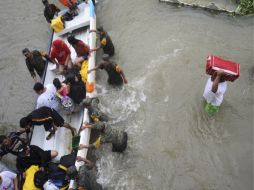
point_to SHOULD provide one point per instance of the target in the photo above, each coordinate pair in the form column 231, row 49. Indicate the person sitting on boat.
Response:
column 61, row 88
column 117, row 137
column 47, row 96
column 12, row 142
column 96, row 115
column 62, row 91
column 116, row 76
column 47, row 117
column 50, row 10
column 34, row 155
column 35, row 61
column 85, row 177
column 8, row 180
column 61, row 52
column 215, row 88
column 77, row 89
column 82, row 50
column 72, row 5
column 105, row 42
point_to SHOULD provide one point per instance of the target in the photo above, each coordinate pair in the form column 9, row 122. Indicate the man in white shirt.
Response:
column 8, row 180
column 215, row 88
column 47, row 96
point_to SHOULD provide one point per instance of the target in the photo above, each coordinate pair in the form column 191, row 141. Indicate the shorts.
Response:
column 47, row 155
column 211, row 109
column 121, row 147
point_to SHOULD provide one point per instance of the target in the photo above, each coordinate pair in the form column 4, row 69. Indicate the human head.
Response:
column 2, row 139
column 72, row 40
column 57, row 83
column 57, row 44
column 45, row 2
column 26, row 52
column 24, row 122
column 100, row 29
column 71, row 172
column 38, row 88
column 70, row 78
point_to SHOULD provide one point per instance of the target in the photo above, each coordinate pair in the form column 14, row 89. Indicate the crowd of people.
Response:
column 55, row 100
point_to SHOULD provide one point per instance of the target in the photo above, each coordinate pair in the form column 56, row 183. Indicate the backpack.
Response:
column 40, row 177
column 57, row 24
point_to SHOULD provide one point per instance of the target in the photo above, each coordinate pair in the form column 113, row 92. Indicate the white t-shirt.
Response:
column 48, row 98
column 7, row 180
column 214, row 98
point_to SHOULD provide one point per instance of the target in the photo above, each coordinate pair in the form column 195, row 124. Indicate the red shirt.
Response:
column 81, row 48
column 60, row 52
column 68, row 3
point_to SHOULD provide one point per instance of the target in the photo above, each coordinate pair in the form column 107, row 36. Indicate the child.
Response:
column 61, row 88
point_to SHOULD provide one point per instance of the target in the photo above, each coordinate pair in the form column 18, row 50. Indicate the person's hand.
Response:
column 220, row 73
column 24, row 175
column 81, row 146
column 35, row 79
column 85, row 125
column 79, row 158
column 125, row 81
column 92, row 31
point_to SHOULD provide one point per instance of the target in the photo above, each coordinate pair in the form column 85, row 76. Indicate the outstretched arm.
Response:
column 124, row 78
column 93, row 69
column 87, row 162
column 15, row 182
column 217, row 80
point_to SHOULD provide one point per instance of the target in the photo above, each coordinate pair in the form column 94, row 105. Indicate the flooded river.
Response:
column 173, row 143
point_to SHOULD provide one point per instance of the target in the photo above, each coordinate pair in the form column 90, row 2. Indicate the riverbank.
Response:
column 233, row 7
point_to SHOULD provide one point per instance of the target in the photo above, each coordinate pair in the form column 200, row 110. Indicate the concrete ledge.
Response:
column 229, row 6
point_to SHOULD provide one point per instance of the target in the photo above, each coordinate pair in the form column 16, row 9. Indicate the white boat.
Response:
column 61, row 141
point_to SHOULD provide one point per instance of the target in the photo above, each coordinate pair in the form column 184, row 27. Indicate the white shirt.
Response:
column 214, row 98
column 48, row 98
column 7, row 180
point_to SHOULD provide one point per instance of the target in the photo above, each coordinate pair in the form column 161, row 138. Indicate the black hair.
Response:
column 23, row 122
column 72, row 40
column 70, row 78
column 38, row 86
column 2, row 137
column 57, row 83
column 25, row 50
column 100, row 29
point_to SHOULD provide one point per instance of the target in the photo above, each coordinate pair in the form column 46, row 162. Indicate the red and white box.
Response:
column 215, row 63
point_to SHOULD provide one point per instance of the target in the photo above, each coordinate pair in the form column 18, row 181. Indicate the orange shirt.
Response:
column 68, row 3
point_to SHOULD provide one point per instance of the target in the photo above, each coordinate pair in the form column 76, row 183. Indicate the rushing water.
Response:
column 173, row 144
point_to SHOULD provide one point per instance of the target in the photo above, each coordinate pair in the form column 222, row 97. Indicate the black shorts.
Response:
column 47, row 154
column 57, row 118
column 121, row 147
